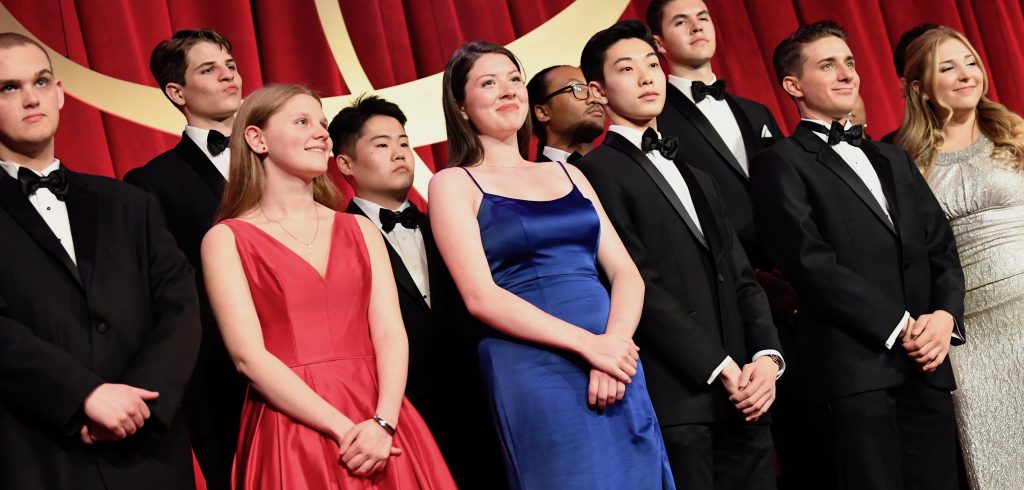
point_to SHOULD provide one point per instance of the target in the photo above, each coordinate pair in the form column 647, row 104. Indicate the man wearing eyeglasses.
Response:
column 566, row 119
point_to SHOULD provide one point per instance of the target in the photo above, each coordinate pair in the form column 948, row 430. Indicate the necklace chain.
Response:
column 316, row 231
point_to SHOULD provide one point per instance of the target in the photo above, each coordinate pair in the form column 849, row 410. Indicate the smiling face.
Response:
column 634, row 85
column 30, row 103
column 687, row 33
column 380, row 161
column 496, row 101
column 213, row 86
column 295, row 140
column 959, row 81
column 828, row 85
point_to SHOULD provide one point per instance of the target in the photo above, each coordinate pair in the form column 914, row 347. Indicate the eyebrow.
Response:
column 630, row 58
column 494, row 75
column 684, row 16
column 388, row 136
column 968, row 55
column 834, row 58
column 40, row 73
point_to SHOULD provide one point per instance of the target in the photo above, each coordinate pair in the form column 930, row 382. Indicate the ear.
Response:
column 344, row 163
column 660, row 44
column 462, row 110
column 256, row 140
column 916, row 87
column 60, row 94
column 792, row 86
column 597, row 92
column 175, row 93
column 540, row 111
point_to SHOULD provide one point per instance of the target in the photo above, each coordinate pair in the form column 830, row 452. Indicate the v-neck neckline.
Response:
column 293, row 253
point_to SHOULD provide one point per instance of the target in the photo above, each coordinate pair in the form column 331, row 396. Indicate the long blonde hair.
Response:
column 925, row 117
column 247, row 177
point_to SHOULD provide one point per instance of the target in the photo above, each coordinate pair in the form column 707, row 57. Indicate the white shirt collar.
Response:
column 827, row 125
column 634, row 136
column 372, row 209
column 555, row 154
column 685, row 85
column 12, row 168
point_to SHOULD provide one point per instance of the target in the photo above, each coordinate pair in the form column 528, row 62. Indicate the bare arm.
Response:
column 452, row 216
column 228, row 289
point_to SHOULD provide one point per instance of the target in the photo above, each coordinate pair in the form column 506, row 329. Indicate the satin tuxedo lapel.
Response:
column 195, row 158
column 831, row 160
column 402, row 276
column 81, row 203
column 883, row 168
column 746, row 129
column 620, row 143
column 704, row 214
column 685, row 106
column 21, row 210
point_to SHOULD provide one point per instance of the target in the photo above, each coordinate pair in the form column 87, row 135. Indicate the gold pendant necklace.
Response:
column 316, row 231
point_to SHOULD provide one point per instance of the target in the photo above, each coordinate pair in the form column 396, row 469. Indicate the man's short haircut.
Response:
column 169, row 59
column 899, row 53
column 347, row 126
column 13, row 39
column 656, row 14
column 788, row 58
column 536, row 90
column 593, row 57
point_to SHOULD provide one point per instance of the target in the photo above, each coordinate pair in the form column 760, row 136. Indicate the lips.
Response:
column 233, row 89
column 32, row 118
column 965, row 90
column 649, row 96
column 508, row 107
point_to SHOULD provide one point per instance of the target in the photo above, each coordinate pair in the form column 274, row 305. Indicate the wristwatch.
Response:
column 776, row 359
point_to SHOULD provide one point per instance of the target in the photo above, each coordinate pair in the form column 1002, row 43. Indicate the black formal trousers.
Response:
column 189, row 188
column 124, row 312
column 721, row 456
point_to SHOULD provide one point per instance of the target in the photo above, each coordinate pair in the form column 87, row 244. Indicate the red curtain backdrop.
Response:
column 398, row 41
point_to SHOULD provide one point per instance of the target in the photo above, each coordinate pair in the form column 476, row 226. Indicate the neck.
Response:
column 33, row 158
column 566, row 144
column 502, row 151
column 387, row 200
column 961, row 130
column 698, row 73
column 286, row 196
column 809, row 113
column 222, row 125
column 638, row 124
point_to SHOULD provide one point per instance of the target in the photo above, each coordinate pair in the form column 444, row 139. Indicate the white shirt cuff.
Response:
column 762, row 353
column 896, row 333
column 718, row 370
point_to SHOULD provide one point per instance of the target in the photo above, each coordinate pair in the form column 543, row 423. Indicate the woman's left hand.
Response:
column 366, row 447
column 604, row 390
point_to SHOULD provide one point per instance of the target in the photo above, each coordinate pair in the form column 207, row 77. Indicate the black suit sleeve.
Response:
column 947, row 292
column 169, row 352
column 790, row 235
column 40, row 379
column 664, row 324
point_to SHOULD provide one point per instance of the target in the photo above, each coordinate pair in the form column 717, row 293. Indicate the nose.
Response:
column 227, row 74
column 696, row 27
column 846, row 73
column 508, row 90
column 31, row 97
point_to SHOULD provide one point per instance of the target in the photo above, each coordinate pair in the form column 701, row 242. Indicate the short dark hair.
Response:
column 537, row 89
column 592, row 58
column 464, row 146
column 899, row 53
column 656, row 14
column 788, row 58
column 347, row 126
column 169, row 58
column 13, row 39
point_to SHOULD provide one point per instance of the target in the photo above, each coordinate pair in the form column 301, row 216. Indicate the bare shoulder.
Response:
column 220, row 235
column 449, row 179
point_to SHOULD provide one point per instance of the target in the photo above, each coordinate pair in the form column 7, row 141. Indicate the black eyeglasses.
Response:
column 579, row 92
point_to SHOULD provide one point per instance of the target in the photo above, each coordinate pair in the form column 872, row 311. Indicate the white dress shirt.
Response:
column 720, row 116
column 221, row 162
column 555, row 154
column 675, row 180
column 53, row 210
column 407, row 242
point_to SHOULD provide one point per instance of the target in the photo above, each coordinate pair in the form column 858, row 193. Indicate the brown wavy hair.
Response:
column 247, row 177
column 924, row 118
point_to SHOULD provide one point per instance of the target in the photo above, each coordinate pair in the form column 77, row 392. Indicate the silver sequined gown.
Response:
column 984, row 200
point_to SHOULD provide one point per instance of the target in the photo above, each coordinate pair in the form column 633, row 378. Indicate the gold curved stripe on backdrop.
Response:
column 557, row 41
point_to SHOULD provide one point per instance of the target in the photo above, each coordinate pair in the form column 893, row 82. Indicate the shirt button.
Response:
column 102, row 327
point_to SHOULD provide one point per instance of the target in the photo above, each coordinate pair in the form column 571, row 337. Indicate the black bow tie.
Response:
column 836, row 133
column 667, row 146
column 57, row 182
column 573, row 157
column 408, row 217
column 216, row 142
column 699, row 90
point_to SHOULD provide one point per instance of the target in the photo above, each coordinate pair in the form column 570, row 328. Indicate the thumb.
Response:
column 395, row 451
column 146, row 394
column 745, row 374
column 347, row 440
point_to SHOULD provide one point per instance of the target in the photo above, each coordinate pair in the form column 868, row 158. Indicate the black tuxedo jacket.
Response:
column 701, row 147
column 702, row 301
column 856, row 272
column 126, row 313
column 189, row 188
column 444, row 382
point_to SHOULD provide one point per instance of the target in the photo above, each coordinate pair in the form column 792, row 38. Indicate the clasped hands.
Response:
column 364, row 448
column 114, row 412
column 927, row 339
column 752, row 388
column 613, row 360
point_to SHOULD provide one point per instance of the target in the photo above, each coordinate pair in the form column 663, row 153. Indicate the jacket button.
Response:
column 721, row 278
column 692, row 312
column 102, row 327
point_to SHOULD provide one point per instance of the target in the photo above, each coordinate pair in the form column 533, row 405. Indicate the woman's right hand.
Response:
column 613, row 354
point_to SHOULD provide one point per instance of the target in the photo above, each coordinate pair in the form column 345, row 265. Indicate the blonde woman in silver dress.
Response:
column 971, row 150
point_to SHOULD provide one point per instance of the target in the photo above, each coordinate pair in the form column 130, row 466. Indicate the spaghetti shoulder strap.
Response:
column 567, row 174
column 470, row 174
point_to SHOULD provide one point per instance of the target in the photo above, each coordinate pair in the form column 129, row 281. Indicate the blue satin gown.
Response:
column 545, row 253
